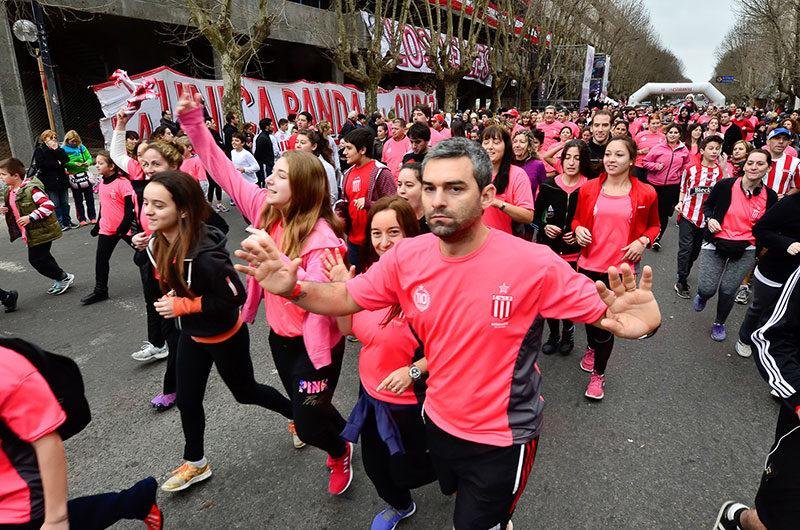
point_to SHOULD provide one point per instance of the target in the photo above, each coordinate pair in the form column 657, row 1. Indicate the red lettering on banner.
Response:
column 247, row 97
column 221, row 92
column 341, row 110
column 308, row 103
column 324, row 106
column 265, row 109
column 355, row 102
column 290, row 101
column 162, row 94
column 211, row 102
column 145, row 128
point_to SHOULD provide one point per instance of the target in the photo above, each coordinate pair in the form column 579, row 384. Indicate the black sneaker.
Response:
column 94, row 297
column 656, row 246
column 728, row 516
column 567, row 341
column 551, row 346
column 10, row 302
column 683, row 290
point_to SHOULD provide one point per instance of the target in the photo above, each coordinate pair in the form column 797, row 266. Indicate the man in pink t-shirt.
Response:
column 477, row 298
column 396, row 147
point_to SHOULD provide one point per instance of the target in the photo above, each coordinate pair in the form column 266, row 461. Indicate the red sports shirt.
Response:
column 784, row 174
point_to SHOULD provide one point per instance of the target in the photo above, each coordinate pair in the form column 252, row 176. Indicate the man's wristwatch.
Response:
column 414, row 373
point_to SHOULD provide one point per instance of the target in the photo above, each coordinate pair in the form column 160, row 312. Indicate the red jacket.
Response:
column 643, row 199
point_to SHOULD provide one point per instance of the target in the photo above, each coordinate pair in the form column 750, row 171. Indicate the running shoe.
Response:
column 567, row 341
column 656, row 246
column 61, row 287
column 223, row 208
column 163, row 402
column 551, row 345
column 718, row 332
column 742, row 295
column 82, row 223
column 64, row 228
column 698, row 303
column 298, row 443
column 682, row 288
column 150, row 352
column 92, row 221
column 52, row 288
column 597, row 383
column 154, row 519
column 728, row 516
column 587, row 362
column 388, row 518
column 744, row 350
column 342, row 471
column 10, row 302
column 185, row 476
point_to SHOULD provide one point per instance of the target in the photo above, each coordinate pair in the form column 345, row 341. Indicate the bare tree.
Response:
column 236, row 32
column 739, row 55
column 451, row 57
column 378, row 56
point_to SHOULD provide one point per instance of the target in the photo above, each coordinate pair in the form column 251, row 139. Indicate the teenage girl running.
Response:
column 615, row 220
column 409, row 187
column 553, row 212
column 202, row 294
column 307, row 349
column 119, row 154
column 117, row 216
column 389, row 364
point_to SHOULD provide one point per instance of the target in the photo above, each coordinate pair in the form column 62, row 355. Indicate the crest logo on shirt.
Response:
column 422, row 298
column 501, row 303
column 356, row 184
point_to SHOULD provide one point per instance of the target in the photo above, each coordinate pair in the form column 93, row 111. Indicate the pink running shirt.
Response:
column 112, row 204
column 612, row 226
column 518, row 192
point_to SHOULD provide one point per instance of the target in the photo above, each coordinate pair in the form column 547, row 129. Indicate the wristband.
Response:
column 296, row 292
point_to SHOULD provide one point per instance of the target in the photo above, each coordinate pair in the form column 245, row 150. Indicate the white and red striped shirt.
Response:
column 695, row 186
column 784, row 174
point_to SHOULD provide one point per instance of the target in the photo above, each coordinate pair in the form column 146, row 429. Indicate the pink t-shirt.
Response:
column 393, row 151
column 112, row 204
column 647, row 140
column 612, row 226
column 28, row 409
column 384, row 350
column 551, row 137
column 194, row 167
column 438, row 136
column 742, row 214
column 518, row 192
column 480, row 318
column 134, row 170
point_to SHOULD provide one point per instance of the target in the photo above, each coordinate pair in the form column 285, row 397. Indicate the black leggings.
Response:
column 235, row 367
column 553, row 323
column 213, row 187
column 311, row 390
column 667, row 199
column 600, row 340
column 105, row 248
column 42, row 260
column 394, row 476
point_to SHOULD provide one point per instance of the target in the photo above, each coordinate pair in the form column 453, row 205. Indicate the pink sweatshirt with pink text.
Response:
column 319, row 333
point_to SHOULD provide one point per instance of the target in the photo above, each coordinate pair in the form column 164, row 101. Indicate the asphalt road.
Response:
column 684, row 426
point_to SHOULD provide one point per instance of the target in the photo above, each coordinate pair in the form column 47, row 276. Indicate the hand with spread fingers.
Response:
column 632, row 312
column 335, row 267
column 266, row 265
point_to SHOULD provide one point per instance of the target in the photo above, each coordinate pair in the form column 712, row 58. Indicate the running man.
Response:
column 484, row 407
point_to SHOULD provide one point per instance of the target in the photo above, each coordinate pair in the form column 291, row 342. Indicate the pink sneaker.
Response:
column 341, row 472
column 596, row 384
column 587, row 363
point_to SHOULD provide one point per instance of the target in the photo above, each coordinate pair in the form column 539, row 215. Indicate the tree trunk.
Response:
column 498, row 87
column 371, row 96
column 450, row 95
column 232, row 84
column 525, row 95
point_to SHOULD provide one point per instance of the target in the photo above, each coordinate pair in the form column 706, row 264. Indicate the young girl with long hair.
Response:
column 117, row 217
column 615, row 220
column 513, row 200
column 692, row 138
column 553, row 212
column 311, row 141
column 201, row 293
column 389, row 364
column 307, row 349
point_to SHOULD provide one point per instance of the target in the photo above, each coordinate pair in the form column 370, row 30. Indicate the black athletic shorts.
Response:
column 778, row 497
column 489, row 479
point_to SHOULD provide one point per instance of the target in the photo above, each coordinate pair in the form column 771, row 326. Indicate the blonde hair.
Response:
column 182, row 143
column 169, row 151
column 72, row 135
column 47, row 134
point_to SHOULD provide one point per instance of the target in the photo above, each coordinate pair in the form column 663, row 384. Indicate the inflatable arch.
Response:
column 710, row 91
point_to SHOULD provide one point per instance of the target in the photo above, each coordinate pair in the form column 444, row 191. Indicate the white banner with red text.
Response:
column 260, row 99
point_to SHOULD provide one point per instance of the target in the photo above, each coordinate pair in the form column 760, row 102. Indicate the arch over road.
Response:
column 710, row 91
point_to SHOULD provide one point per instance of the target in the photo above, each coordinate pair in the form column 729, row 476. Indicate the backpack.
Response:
column 65, row 380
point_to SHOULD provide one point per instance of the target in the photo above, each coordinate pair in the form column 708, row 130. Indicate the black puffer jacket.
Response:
column 50, row 164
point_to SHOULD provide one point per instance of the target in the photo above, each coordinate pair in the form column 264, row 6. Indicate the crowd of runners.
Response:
column 455, row 249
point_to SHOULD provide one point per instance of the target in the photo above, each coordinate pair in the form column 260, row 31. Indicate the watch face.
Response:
column 414, row 372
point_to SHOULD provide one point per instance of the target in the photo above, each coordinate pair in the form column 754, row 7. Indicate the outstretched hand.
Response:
column 188, row 102
column 632, row 312
column 265, row 263
column 335, row 267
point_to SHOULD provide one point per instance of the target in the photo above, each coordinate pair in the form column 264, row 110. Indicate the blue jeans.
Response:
column 61, row 201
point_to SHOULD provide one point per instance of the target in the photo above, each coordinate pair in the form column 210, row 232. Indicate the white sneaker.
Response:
column 743, row 295
column 150, row 352
column 743, row 349
column 60, row 287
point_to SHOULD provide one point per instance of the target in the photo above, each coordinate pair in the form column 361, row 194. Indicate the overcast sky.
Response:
column 692, row 29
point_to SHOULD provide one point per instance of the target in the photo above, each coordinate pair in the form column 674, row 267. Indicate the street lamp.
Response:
column 25, row 30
